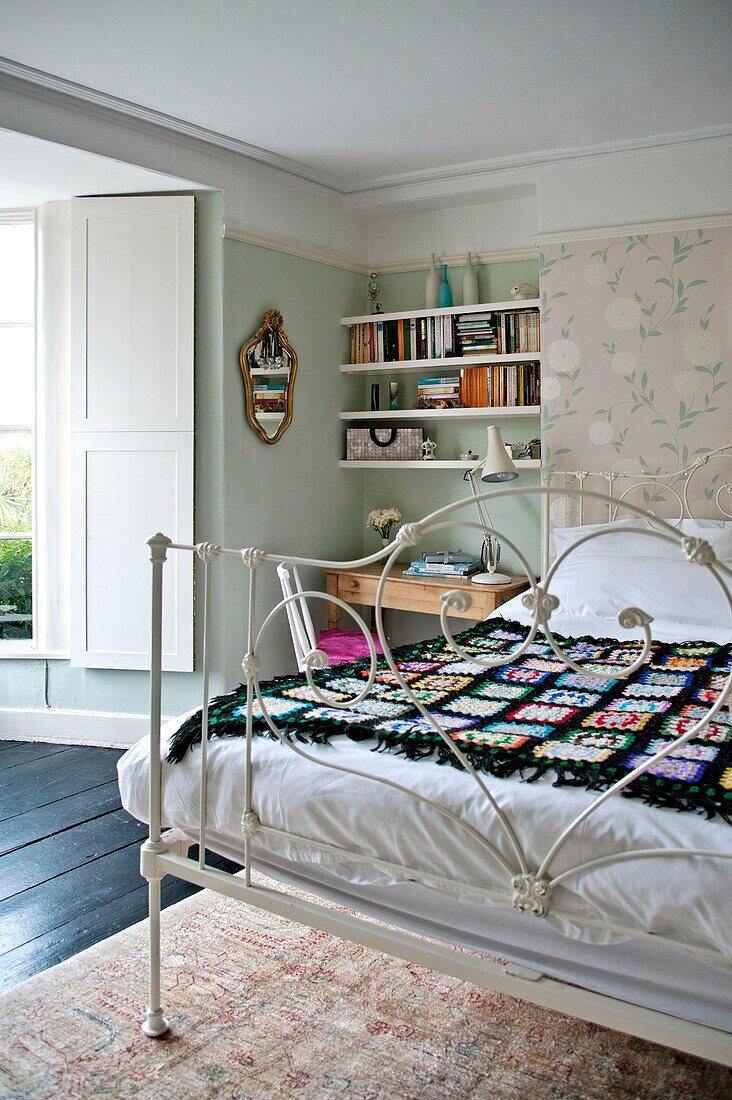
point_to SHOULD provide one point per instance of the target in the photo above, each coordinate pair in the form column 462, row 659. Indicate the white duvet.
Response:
column 688, row 900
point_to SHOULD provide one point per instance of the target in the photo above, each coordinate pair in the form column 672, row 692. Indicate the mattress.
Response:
column 686, row 900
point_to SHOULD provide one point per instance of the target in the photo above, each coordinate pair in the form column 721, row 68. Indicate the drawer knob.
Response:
column 354, row 584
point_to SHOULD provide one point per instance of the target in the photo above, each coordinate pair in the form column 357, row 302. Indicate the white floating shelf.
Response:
column 269, row 416
column 483, row 413
column 438, row 464
column 455, row 362
column 486, row 307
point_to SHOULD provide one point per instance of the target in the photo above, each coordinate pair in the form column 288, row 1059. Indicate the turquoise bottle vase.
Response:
column 444, row 298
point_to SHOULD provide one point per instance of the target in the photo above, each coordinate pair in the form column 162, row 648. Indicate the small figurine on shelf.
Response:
column 373, row 293
column 429, row 447
column 393, row 395
column 468, row 456
column 523, row 292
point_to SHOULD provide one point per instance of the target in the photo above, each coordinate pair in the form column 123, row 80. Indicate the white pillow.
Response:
column 629, row 569
column 613, row 538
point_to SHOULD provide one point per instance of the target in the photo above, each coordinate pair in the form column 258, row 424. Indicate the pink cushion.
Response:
column 346, row 645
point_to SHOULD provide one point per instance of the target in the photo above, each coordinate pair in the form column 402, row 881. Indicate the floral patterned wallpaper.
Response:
column 636, row 343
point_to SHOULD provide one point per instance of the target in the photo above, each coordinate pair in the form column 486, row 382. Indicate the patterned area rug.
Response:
column 263, row 1008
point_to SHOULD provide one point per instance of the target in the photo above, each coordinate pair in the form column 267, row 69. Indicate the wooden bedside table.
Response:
column 423, row 594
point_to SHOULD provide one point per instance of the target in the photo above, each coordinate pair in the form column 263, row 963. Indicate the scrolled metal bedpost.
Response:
column 546, row 481
column 154, row 1025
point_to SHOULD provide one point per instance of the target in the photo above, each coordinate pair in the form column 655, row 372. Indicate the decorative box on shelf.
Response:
column 380, row 444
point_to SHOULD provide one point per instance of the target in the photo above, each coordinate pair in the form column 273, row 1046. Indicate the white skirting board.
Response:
column 72, row 727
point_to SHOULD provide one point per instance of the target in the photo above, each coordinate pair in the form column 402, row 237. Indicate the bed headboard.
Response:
column 666, row 494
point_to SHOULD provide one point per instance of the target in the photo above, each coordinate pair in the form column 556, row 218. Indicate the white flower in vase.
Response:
column 382, row 520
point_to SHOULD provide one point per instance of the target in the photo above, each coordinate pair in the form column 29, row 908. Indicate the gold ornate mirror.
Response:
column 268, row 366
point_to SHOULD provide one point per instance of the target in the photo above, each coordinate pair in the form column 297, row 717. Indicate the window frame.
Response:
column 26, row 647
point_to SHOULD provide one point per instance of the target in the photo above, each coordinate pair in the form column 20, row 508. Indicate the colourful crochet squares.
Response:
column 490, row 738
column 642, row 706
column 683, row 664
column 671, row 767
column 518, row 729
column 276, row 708
column 306, row 693
column 678, row 725
column 582, row 680
column 572, row 750
column 616, row 720
column 710, row 691
column 666, row 679
column 491, row 690
column 569, row 698
column 542, row 712
column 518, row 674
column 382, row 708
column 690, row 751
column 421, row 725
column 482, row 708
column 650, row 691
column 443, row 683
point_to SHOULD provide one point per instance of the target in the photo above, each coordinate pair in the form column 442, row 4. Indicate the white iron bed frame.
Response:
column 528, row 888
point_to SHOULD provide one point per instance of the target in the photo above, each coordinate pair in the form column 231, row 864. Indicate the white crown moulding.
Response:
column 423, row 184
column 59, row 85
column 633, row 229
column 292, row 247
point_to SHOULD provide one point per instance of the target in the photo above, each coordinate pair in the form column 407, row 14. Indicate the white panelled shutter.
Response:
column 132, row 426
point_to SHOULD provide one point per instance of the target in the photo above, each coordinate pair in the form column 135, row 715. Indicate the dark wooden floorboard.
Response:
column 69, row 857
column 37, row 863
column 37, row 782
column 17, row 752
column 98, row 924
column 64, row 813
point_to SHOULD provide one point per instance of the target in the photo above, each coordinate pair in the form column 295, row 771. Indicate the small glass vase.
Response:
column 432, row 286
column 470, row 283
column 444, row 298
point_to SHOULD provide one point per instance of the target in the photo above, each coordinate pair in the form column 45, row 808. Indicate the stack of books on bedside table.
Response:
column 447, row 563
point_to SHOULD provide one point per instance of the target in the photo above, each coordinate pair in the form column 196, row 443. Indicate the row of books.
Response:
column 476, row 334
column 408, row 339
column 500, row 385
column 518, row 333
column 439, row 393
column 403, row 340
column 269, row 396
column 422, row 568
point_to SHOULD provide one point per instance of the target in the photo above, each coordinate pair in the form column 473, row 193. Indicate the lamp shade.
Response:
column 498, row 466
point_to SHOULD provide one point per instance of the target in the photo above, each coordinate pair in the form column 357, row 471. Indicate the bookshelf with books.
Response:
column 426, row 339
column 472, row 364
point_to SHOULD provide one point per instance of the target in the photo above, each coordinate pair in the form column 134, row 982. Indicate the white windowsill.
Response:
column 19, row 651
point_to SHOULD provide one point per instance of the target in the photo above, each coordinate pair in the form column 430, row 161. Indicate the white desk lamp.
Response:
column 497, row 466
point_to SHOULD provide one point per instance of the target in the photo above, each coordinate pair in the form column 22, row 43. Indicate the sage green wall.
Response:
column 419, row 492
column 292, row 497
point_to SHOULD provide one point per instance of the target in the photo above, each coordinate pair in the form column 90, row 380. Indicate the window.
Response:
column 17, row 424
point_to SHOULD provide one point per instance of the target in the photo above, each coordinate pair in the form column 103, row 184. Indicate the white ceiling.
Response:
column 357, row 90
column 34, row 171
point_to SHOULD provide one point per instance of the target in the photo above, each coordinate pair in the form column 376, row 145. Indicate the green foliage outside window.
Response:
column 16, row 592
column 15, row 588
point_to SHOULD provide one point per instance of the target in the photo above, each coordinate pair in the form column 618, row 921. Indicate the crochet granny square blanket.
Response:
column 532, row 716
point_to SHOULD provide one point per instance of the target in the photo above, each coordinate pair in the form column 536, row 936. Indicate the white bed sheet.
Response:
column 688, row 900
